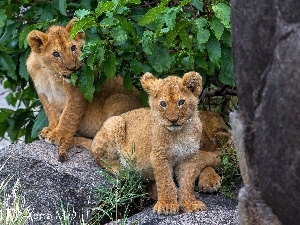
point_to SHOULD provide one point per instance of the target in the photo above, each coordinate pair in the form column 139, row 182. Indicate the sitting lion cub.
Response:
column 161, row 140
column 72, row 119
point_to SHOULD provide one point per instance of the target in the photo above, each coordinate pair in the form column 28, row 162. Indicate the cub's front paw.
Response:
column 166, row 208
column 44, row 133
column 55, row 137
column 209, row 180
column 192, row 206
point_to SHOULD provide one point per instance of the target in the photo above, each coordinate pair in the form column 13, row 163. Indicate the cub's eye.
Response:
column 181, row 102
column 73, row 48
column 163, row 104
column 56, row 54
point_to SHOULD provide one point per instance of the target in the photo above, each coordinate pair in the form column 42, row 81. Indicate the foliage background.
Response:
column 126, row 37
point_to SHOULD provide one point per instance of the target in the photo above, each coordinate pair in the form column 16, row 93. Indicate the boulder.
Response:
column 266, row 52
column 220, row 210
column 45, row 183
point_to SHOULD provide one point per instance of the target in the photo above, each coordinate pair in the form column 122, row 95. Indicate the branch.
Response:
column 222, row 91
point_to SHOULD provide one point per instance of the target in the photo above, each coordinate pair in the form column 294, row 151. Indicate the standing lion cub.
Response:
column 72, row 119
column 162, row 140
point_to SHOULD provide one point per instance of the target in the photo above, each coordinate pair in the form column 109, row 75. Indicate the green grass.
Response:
column 229, row 171
column 12, row 211
column 122, row 197
column 66, row 216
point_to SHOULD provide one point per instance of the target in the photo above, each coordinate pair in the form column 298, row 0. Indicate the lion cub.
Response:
column 162, row 140
column 72, row 119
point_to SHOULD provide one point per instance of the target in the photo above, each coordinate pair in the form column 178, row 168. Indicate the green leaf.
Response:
column 202, row 33
column 210, row 68
column 170, row 38
column 186, row 41
column 11, row 99
column 104, row 7
column 200, row 22
column 152, row 15
column 3, row 128
column 160, row 59
column 222, row 11
column 81, row 13
column 188, row 62
column 40, row 122
column 90, row 61
column 100, row 56
column 127, row 25
column 109, row 21
column 86, row 83
column 23, row 69
column 184, row 2
column 85, row 4
column 11, row 32
column 168, row 17
column 217, row 27
column 197, row 4
column 226, row 75
column 109, row 66
column 7, row 65
column 3, row 17
column 226, row 38
column 125, row 2
column 147, row 42
column 127, row 82
column 200, row 61
column 118, row 34
column 74, row 77
column 62, row 6
column 214, row 49
column 135, row 66
column 82, row 25
column 5, row 114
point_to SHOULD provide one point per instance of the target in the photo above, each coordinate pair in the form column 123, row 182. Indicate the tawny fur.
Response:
column 72, row 119
column 163, row 140
column 216, row 137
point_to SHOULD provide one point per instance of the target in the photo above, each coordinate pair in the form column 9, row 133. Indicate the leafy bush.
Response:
column 126, row 37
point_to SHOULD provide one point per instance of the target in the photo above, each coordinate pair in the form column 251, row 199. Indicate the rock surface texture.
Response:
column 45, row 183
column 266, row 49
column 220, row 211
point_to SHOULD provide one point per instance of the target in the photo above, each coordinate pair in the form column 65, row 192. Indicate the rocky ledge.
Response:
column 45, row 184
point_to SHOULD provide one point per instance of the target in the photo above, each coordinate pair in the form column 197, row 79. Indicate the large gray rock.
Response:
column 45, row 183
column 220, row 210
column 266, row 49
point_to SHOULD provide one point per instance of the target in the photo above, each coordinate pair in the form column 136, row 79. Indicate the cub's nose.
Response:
column 71, row 68
column 173, row 120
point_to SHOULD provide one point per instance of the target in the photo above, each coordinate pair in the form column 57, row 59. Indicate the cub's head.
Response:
column 56, row 50
column 173, row 100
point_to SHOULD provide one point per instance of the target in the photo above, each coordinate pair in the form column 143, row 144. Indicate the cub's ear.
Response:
column 36, row 39
column 70, row 25
column 193, row 81
column 80, row 35
column 149, row 82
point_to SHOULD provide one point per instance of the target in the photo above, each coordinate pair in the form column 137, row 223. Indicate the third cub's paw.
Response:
column 44, row 133
column 192, row 206
column 166, row 208
column 209, row 180
column 55, row 137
